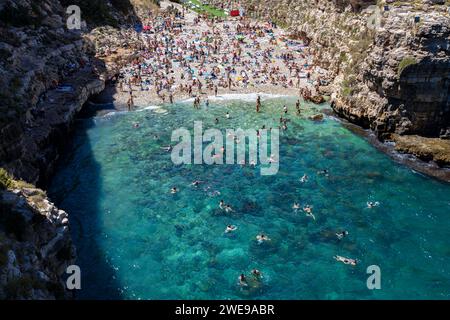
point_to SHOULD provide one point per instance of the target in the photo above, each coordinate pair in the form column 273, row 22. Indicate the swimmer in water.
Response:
column 308, row 211
column 167, row 149
column 296, row 206
column 285, row 109
column 216, row 121
column 243, row 280
column 196, row 183
column 324, row 172
column 341, row 235
column 272, row 159
column 371, row 204
column 261, row 238
column 136, row 125
column 256, row 274
column 222, row 204
column 304, row 178
column 227, row 115
column 228, row 208
column 344, row 260
column 230, row 228
column 174, row 190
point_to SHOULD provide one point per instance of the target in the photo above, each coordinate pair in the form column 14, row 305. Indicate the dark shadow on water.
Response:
column 98, row 276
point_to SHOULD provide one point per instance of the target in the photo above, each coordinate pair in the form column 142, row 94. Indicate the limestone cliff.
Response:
column 47, row 73
column 388, row 61
column 35, row 243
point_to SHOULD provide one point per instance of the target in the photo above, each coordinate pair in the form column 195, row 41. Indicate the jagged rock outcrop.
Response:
column 35, row 244
column 388, row 61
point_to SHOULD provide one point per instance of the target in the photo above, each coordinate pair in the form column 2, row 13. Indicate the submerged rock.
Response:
column 317, row 117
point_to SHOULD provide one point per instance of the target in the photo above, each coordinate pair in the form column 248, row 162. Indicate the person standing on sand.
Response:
column 130, row 102
column 258, row 104
column 216, row 89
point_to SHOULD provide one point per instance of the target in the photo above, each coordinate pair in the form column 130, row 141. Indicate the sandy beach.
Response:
column 189, row 56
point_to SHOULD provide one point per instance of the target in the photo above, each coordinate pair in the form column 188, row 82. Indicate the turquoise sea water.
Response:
column 136, row 240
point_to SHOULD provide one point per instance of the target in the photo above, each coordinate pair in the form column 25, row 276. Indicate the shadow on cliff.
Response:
column 424, row 92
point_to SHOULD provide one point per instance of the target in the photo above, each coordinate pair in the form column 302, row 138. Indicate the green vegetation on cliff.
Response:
column 406, row 62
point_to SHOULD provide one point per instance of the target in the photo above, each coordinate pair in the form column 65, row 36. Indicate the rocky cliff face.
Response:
column 47, row 73
column 35, row 243
column 389, row 61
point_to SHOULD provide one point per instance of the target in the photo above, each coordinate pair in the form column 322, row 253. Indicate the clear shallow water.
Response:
column 136, row 240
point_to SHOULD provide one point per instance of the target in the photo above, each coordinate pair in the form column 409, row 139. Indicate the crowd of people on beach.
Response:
column 189, row 55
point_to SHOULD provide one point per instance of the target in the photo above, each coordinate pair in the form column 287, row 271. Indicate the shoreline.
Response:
column 429, row 169
column 414, row 163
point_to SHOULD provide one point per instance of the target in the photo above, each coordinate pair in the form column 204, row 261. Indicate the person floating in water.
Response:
column 136, row 125
column 372, row 204
column 256, row 274
column 230, row 228
column 174, row 190
column 262, row 238
column 242, row 280
column 258, row 104
column 296, row 206
column 227, row 115
column 196, row 183
column 344, row 260
column 222, row 204
column 308, row 211
column 342, row 235
column 304, row 178
column 323, row 172
column 228, row 208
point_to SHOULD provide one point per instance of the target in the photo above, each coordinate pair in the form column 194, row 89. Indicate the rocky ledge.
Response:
column 430, row 149
column 35, row 243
